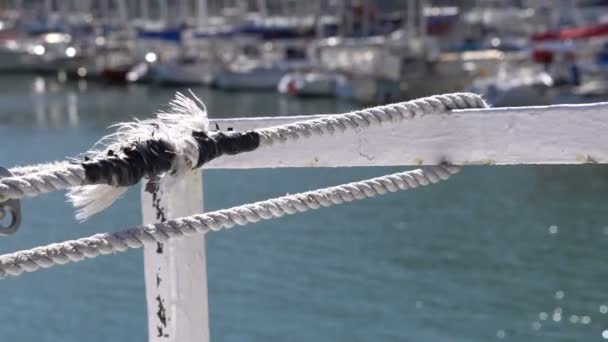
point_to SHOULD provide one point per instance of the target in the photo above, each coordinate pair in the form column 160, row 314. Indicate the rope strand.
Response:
column 391, row 113
column 176, row 143
column 108, row 243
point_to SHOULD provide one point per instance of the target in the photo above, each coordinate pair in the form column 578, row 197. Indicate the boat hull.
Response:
column 309, row 85
column 186, row 74
column 10, row 60
column 266, row 79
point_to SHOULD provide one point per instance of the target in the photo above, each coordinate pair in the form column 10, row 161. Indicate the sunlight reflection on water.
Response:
column 521, row 260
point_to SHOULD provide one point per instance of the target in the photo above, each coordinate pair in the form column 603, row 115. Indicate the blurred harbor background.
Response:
column 500, row 253
column 513, row 52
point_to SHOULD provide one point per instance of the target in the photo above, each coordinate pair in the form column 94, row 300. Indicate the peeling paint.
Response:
column 366, row 156
column 361, row 142
column 581, row 158
column 169, row 317
column 586, row 159
column 161, row 313
column 314, row 162
column 153, row 187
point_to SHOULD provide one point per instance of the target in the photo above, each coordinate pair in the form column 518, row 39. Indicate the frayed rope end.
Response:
column 174, row 127
column 92, row 199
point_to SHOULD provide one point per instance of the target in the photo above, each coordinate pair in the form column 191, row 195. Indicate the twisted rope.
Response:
column 119, row 168
column 365, row 118
column 41, row 181
column 107, row 243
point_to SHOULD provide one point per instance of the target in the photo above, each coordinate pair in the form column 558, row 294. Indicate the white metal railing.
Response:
column 427, row 131
column 176, row 274
column 175, row 271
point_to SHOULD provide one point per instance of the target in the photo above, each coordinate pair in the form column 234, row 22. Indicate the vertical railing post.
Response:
column 175, row 271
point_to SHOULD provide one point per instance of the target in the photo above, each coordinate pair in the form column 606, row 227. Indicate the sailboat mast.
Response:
column 409, row 24
column 318, row 23
column 365, row 19
column 122, row 12
column 144, row 9
column 263, row 8
column 202, row 12
column 184, row 11
column 341, row 18
column 423, row 21
column 163, row 8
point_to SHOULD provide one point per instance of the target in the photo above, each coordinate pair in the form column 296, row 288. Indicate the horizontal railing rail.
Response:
column 427, row 132
column 558, row 134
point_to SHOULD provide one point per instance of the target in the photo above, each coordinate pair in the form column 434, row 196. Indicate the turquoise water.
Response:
column 496, row 253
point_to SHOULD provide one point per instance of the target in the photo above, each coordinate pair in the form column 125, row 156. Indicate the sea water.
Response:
column 496, row 253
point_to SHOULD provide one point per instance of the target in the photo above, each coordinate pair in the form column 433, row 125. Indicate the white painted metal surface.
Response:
column 563, row 134
column 175, row 271
column 176, row 288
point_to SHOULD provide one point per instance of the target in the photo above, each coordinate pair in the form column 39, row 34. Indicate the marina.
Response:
column 368, row 53
column 303, row 96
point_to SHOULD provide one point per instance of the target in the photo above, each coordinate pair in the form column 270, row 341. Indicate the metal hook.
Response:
column 10, row 207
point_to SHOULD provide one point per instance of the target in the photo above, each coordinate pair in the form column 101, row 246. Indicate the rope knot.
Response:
column 211, row 146
column 137, row 160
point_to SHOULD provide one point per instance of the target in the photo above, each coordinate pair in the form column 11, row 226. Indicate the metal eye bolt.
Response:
column 10, row 207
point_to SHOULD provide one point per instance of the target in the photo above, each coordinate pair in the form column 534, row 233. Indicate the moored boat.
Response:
column 186, row 71
column 311, row 83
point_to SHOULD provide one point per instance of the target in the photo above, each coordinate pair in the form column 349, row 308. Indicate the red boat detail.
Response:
column 582, row 32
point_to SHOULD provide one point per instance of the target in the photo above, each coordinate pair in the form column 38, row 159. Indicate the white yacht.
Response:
column 516, row 85
column 311, row 83
column 261, row 69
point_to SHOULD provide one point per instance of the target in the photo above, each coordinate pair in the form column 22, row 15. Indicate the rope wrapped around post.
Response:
column 180, row 141
column 108, row 243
